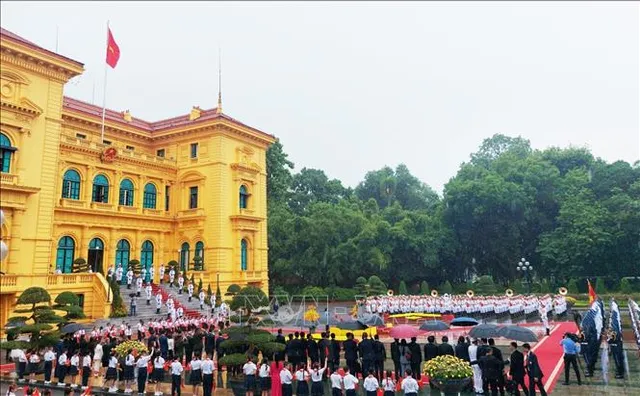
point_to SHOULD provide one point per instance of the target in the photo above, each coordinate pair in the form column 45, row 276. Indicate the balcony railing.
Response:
column 8, row 178
column 72, row 203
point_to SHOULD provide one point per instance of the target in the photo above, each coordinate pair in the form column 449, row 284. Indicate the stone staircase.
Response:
column 145, row 311
column 183, row 299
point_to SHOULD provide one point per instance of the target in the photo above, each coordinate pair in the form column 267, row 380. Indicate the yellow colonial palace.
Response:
column 190, row 188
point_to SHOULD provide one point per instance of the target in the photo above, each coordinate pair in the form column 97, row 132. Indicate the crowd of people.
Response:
column 466, row 305
column 89, row 359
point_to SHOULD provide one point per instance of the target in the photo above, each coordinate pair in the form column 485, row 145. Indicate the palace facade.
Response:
column 190, row 188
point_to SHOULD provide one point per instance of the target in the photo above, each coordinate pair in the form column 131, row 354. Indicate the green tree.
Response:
column 573, row 286
column 625, row 286
column 80, row 265
column 424, row 288
column 199, row 285
column 218, row 296
column 249, row 297
column 600, row 287
column 446, row 288
column 135, row 266
column 209, row 291
column 376, row 286
column 402, row 289
column 70, row 303
column 361, row 286
column 233, row 289
column 278, row 174
column 484, row 286
column 35, row 304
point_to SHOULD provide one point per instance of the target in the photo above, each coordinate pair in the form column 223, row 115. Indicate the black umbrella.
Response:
column 71, row 328
column 355, row 325
column 485, row 331
column 434, row 325
column 518, row 333
column 464, row 321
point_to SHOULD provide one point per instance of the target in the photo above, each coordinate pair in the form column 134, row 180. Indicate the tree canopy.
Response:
column 568, row 213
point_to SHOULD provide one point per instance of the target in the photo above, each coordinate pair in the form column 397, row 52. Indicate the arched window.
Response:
column 184, row 256
column 6, row 151
column 95, row 255
column 149, row 199
column 122, row 256
column 100, row 189
column 71, row 185
column 126, row 193
column 200, row 253
column 244, row 255
column 64, row 257
column 244, row 197
column 146, row 258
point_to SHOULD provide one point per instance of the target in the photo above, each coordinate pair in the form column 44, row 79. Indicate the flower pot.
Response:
column 448, row 386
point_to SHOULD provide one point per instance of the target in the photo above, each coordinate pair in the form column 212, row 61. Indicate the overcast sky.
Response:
column 352, row 87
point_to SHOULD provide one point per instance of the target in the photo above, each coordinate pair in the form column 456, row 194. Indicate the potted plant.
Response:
column 448, row 373
column 242, row 343
column 197, row 263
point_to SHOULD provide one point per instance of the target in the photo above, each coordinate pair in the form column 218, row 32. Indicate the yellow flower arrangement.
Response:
column 311, row 315
column 123, row 348
column 447, row 367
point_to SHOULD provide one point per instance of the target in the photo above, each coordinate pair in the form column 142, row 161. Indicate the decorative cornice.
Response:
column 120, row 158
column 35, row 65
column 25, row 107
column 249, row 168
column 108, row 213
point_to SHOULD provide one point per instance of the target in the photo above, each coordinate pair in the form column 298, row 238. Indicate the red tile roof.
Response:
column 5, row 34
column 156, row 126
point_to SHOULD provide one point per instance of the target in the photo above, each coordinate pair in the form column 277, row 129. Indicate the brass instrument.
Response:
column 470, row 293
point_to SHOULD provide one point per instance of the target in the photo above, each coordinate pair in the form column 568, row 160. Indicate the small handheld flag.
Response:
column 592, row 293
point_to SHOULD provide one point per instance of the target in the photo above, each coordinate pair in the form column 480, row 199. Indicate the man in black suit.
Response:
column 323, row 346
column 430, row 352
column 445, row 348
column 533, row 370
column 516, row 368
column 498, row 354
column 350, row 353
column 491, row 371
column 303, row 348
column 334, row 353
column 395, row 356
column 483, row 349
column 280, row 340
column 416, row 358
column 380, row 356
column 462, row 349
column 367, row 353
column 312, row 349
column 290, row 350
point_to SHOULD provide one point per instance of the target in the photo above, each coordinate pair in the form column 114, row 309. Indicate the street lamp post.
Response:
column 525, row 267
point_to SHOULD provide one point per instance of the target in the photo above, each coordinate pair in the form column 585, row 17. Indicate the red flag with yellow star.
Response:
column 592, row 293
column 113, row 51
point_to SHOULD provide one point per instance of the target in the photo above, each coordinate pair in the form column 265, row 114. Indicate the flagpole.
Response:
column 104, row 92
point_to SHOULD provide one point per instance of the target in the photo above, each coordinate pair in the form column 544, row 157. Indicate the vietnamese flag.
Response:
column 113, row 51
column 592, row 293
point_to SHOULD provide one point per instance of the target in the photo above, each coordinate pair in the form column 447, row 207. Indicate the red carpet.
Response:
column 549, row 354
column 188, row 313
